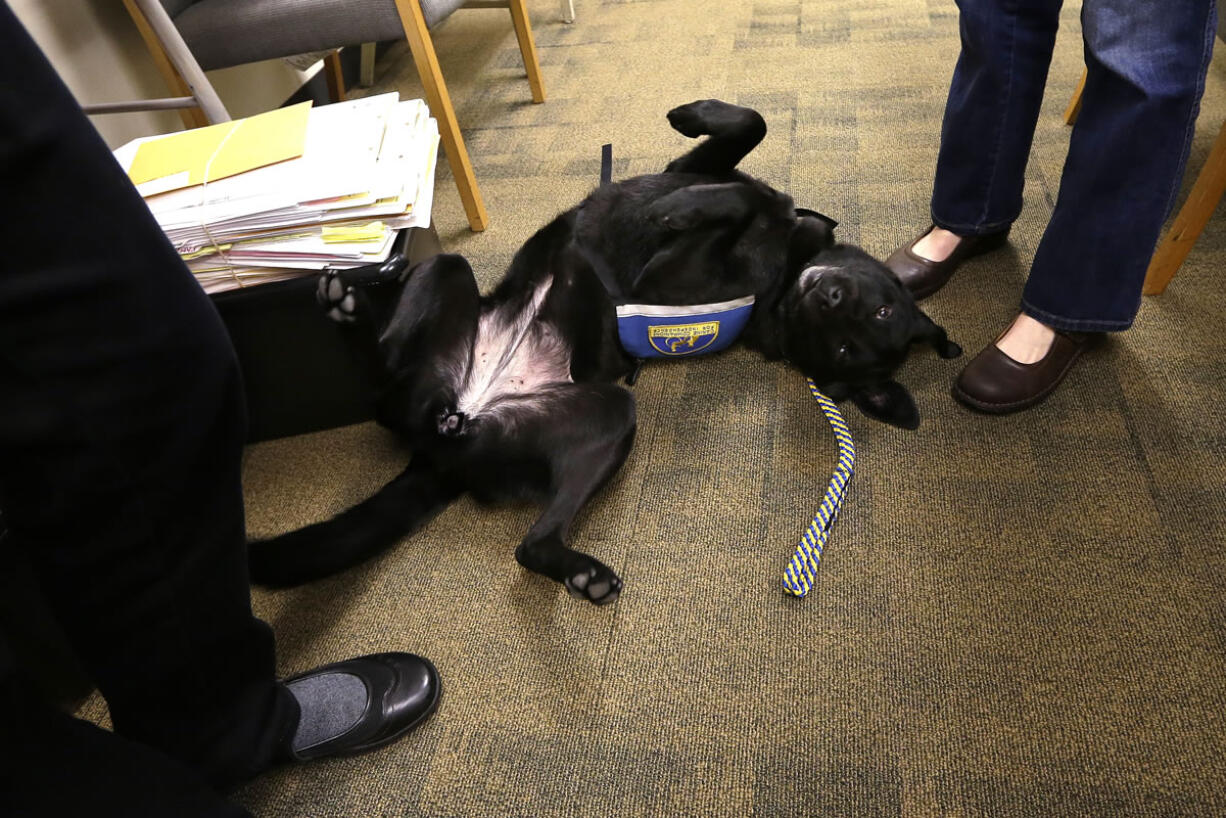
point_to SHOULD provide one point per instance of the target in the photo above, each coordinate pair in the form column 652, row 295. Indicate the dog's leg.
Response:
column 437, row 312
column 586, row 437
column 355, row 313
column 535, row 258
column 928, row 330
column 734, row 131
column 427, row 346
column 726, row 208
column 698, row 205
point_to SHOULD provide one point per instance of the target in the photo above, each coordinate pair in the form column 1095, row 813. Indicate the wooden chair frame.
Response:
column 421, row 46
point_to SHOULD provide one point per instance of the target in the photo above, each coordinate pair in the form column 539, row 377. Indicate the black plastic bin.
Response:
column 302, row 371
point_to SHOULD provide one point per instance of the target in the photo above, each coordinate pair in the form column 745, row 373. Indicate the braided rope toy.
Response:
column 798, row 578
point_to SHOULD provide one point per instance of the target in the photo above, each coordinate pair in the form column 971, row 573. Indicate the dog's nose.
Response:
column 830, row 297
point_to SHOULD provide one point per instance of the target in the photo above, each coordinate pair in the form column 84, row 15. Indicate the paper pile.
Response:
column 292, row 191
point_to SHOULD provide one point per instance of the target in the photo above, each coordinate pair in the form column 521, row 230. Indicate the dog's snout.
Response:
column 830, row 294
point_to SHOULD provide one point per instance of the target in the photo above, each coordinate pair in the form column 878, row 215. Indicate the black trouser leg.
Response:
column 121, row 430
column 58, row 765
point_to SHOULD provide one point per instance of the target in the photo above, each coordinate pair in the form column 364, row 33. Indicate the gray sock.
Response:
column 331, row 704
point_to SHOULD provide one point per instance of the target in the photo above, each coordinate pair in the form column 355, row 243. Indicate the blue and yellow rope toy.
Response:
column 798, row 578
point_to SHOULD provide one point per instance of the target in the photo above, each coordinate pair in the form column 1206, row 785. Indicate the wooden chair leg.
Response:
column 335, row 76
column 367, row 72
column 192, row 117
column 1190, row 221
column 527, row 47
column 439, row 100
column 1074, row 104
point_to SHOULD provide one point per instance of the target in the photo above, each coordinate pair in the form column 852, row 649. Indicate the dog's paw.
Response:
column 596, row 583
column 451, row 423
column 693, row 118
column 336, row 297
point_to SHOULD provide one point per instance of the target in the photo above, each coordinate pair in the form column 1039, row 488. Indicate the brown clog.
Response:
column 995, row 383
column 923, row 277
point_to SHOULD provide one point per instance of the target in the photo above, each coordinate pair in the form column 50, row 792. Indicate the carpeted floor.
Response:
column 1019, row 616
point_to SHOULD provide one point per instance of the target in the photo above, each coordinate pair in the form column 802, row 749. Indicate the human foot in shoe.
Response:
column 360, row 704
column 1026, row 340
column 936, row 245
column 1021, row 368
column 925, row 264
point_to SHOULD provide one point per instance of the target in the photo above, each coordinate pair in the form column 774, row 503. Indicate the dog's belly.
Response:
column 516, row 357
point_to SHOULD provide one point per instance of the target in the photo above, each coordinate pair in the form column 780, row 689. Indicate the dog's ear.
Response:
column 837, row 391
column 927, row 330
column 809, row 237
column 888, row 402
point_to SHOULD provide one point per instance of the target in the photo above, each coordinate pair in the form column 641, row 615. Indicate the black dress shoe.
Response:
column 995, row 383
column 923, row 277
column 401, row 691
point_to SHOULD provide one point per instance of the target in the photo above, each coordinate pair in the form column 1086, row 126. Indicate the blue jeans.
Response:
column 1146, row 62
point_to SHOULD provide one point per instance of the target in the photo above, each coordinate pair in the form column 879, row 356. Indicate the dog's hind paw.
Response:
column 451, row 423
column 596, row 583
column 692, row 119
column 336, row 297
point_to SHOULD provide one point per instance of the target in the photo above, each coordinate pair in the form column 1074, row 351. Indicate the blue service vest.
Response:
column 657, row 331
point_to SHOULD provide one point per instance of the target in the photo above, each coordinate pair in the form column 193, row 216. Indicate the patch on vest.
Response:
column 683, row 339
column 655, row 331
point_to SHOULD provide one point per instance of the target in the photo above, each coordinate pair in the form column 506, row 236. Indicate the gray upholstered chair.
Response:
column 223, row 33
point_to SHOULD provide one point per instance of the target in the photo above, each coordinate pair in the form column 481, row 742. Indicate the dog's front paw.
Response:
column 949, row 350
column 675, row 211
column 336, row 297
column 596, row 583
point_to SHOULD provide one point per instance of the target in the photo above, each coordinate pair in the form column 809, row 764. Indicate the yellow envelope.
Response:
column 222, row 150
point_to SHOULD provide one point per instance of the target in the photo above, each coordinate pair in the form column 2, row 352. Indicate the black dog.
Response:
column 513, row 394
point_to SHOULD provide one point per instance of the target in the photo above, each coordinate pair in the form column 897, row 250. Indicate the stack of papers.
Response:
column 290, row 192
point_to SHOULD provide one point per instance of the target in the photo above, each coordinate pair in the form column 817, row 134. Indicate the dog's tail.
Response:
column 322, row 549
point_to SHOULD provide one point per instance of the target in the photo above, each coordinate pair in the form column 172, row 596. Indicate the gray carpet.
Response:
column 1017, row 616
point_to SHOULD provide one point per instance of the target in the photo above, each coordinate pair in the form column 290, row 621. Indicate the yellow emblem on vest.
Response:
column 683, row 339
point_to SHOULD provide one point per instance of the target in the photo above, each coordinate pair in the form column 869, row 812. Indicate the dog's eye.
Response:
column 844, row 351
column 885, row 311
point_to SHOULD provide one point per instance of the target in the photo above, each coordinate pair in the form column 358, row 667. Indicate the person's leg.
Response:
column 991, row 112
column 121, row 430
column 58, row 765
column 1146, row 65
column 990, row 115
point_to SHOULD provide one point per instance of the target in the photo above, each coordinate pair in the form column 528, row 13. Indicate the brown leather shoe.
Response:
column 995, row 383
column 923, row 277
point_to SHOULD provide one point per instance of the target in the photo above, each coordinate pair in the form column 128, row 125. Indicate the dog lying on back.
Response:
column 514, row 393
